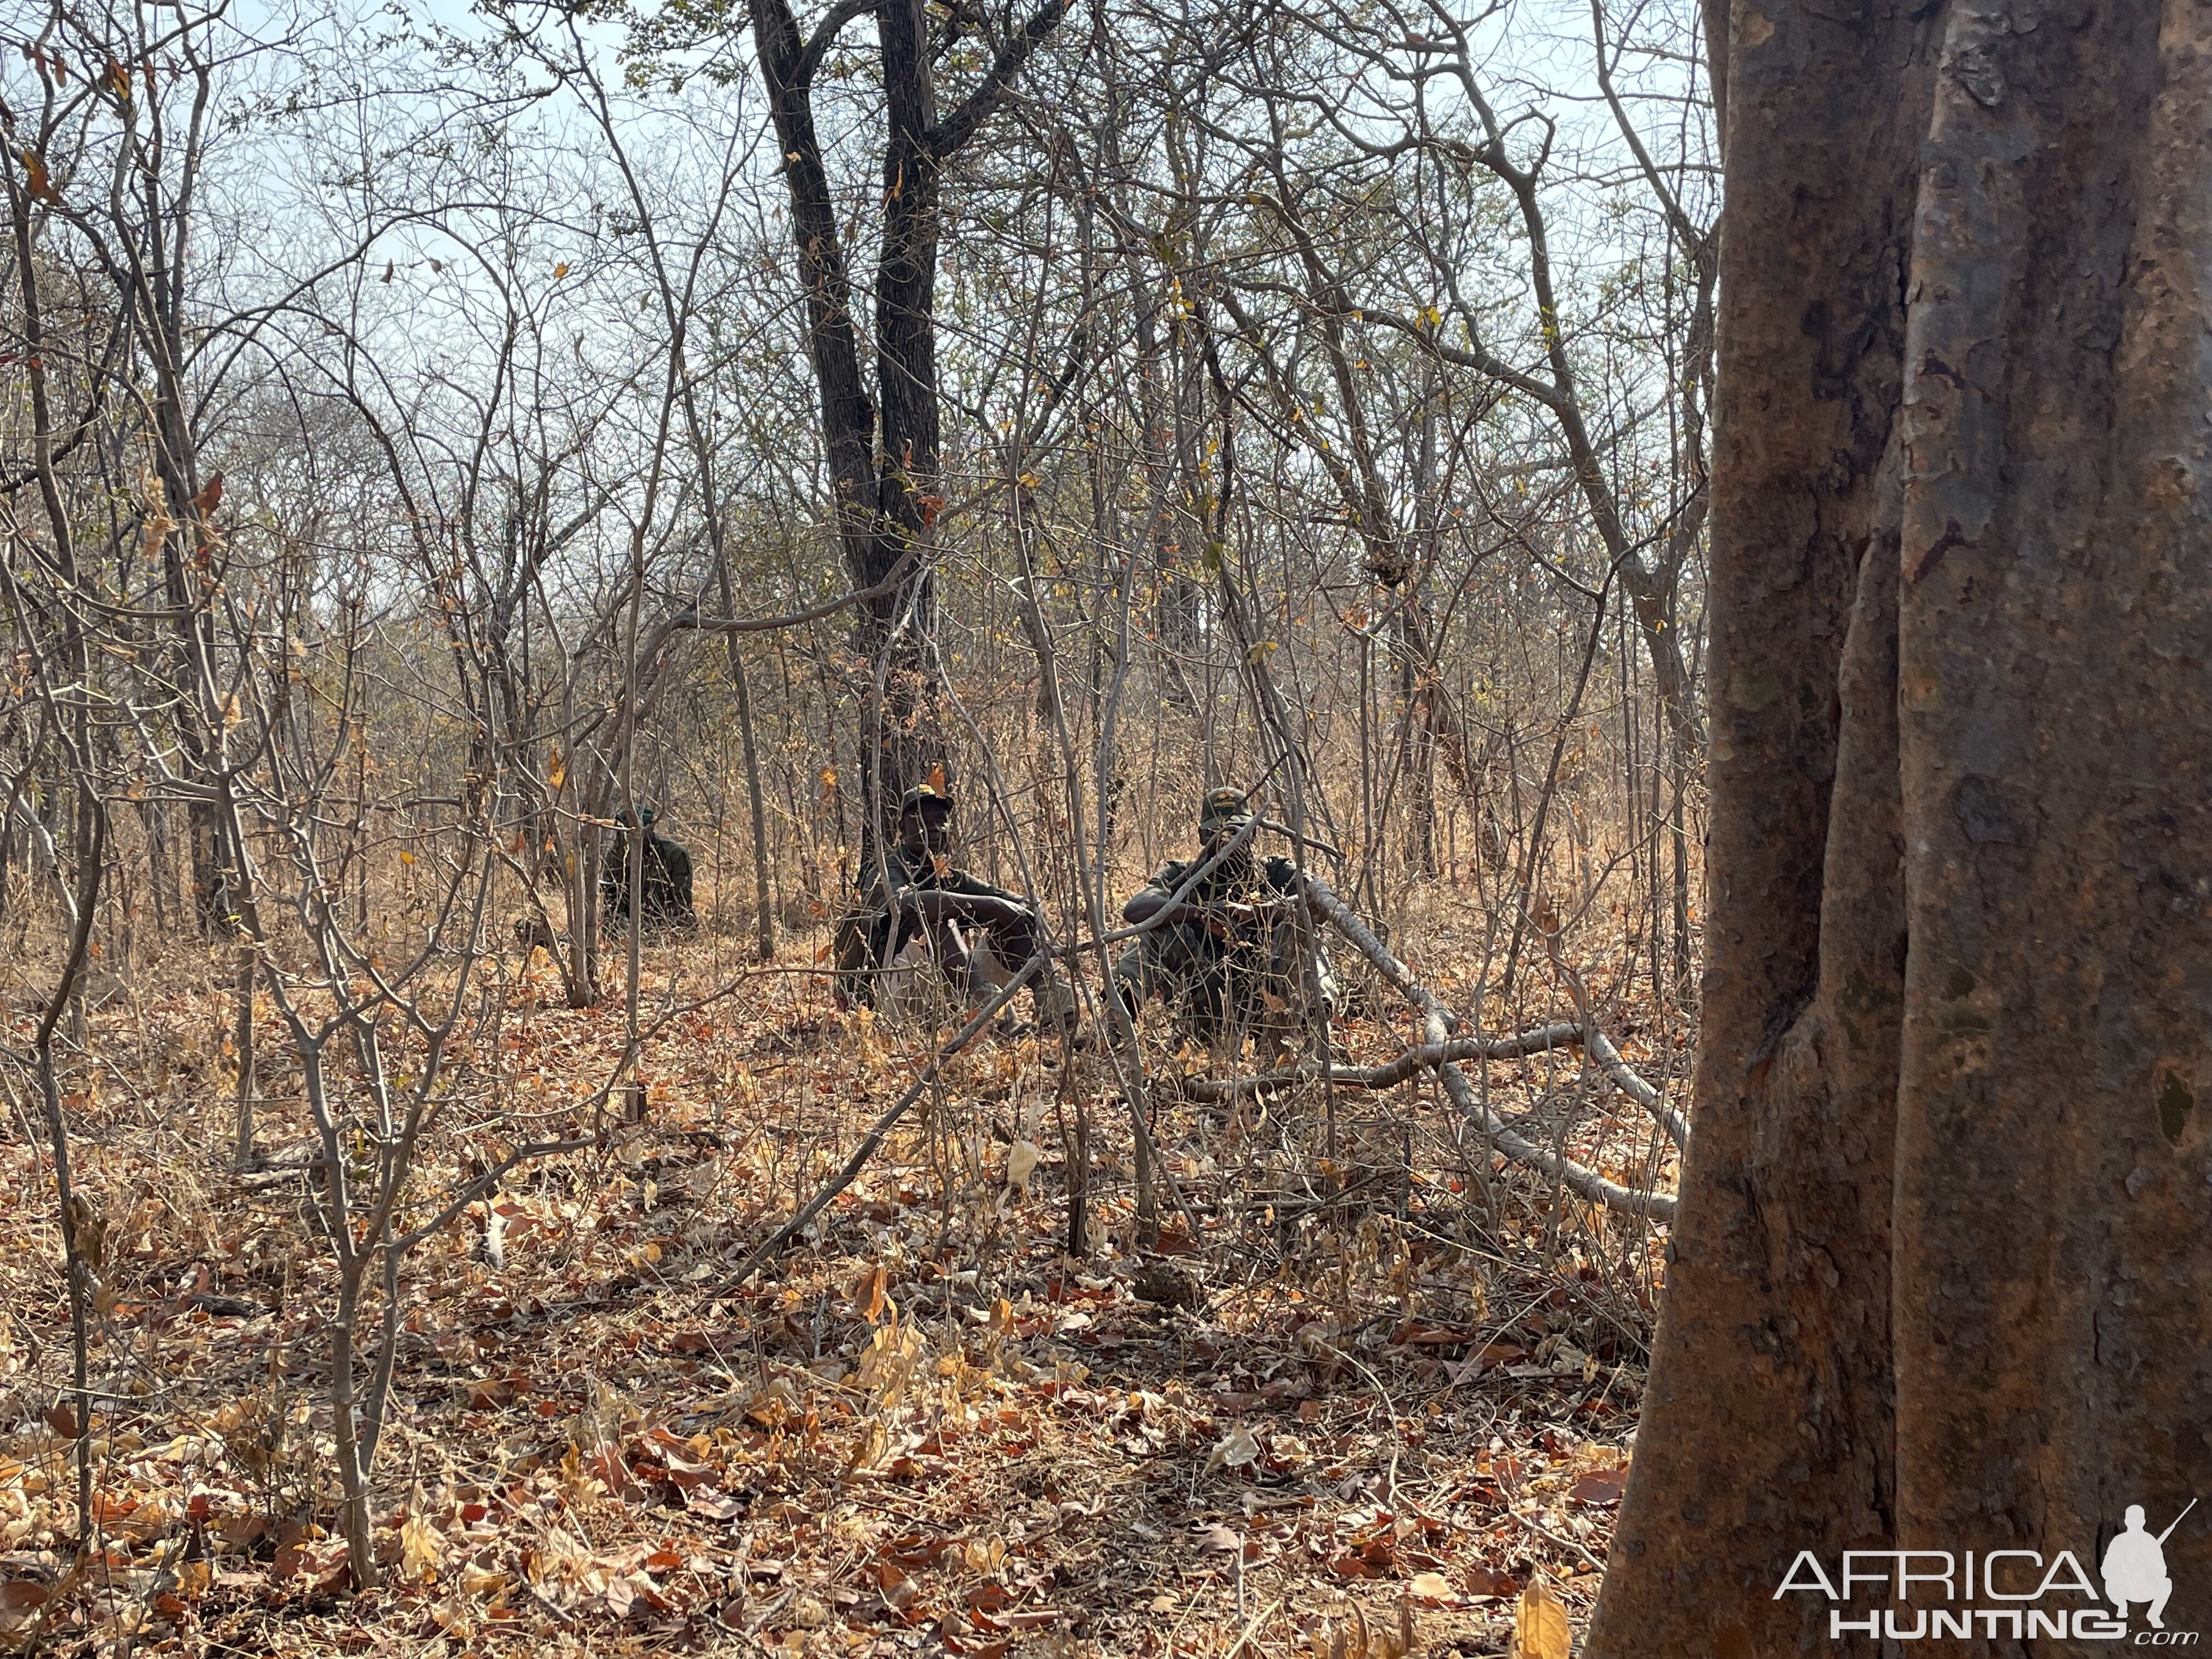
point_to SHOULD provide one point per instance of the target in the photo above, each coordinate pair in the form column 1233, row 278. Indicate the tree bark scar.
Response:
column 1950, row 539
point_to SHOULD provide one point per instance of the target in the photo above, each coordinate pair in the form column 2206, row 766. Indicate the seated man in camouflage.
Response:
column 1228, row 956
column 954, row 911
column 665, row 884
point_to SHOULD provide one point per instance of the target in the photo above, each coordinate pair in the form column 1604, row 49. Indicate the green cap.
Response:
column 922, row 796
column 1224, row 808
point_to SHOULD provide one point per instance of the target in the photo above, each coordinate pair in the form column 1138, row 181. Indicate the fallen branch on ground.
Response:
column 1600, row 1046
column 1404, row 1068
column 1437, row 1024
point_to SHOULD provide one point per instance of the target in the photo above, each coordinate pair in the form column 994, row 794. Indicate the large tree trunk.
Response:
column 1940, row 1277
column 905, row 733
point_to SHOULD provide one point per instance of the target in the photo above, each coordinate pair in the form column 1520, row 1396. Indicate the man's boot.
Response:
column 1057, row 1009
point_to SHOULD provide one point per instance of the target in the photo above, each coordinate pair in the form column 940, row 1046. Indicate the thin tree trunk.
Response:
column 248, row 964
column 763, row 907
column 345, row 1432
column 80, row 1226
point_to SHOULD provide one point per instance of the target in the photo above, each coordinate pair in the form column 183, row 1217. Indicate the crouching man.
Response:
column 951, row 913
column 1229, row 956
column 664, row 877
column 2134, row 1567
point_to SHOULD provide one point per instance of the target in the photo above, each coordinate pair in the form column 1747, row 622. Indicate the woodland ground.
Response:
column 1373, row 1400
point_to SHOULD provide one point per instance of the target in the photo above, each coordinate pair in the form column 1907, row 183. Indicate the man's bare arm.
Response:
column 936, row 905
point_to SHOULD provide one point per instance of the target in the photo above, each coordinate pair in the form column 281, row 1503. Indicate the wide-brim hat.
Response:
column 1224, row 808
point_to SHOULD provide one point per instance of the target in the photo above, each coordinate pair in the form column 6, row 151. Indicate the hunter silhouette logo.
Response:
column 1897, row 1596
column 2135, row 1567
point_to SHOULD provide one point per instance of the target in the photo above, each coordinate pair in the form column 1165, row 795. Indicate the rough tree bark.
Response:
column 883, row 446
column 1939, row 1278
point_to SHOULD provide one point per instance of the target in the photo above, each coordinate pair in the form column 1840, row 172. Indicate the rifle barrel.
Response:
column 2168, row 1533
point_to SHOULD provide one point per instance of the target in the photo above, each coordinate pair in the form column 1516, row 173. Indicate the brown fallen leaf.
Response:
column 1485, row 1581
column 868, row 1294
column 1540, row 1626
column 989, row 1598
column 1604, row 1486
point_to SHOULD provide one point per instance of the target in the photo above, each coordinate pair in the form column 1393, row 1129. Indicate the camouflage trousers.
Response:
column 873, row 970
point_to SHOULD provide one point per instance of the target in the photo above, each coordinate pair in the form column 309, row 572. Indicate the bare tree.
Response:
column 882, row 445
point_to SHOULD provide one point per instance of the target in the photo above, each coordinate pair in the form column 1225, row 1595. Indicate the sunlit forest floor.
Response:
column 1388, row 1385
